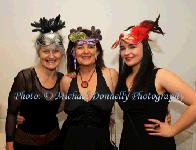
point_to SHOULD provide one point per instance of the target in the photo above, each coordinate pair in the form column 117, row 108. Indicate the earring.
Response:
column 75, row 67
column 74, row 56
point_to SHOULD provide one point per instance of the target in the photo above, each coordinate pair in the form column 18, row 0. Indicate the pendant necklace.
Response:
column 84, row 84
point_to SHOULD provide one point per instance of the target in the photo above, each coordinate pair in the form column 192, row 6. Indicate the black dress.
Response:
column 139, row 107
column 37, row 105
column 87, row 124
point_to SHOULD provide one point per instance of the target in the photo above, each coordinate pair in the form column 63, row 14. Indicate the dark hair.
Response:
column 144, row 74
column 70, row 59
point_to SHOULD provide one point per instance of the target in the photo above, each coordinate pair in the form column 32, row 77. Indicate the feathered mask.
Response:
column 48, row 32
column 79, row 37
column 135, row 34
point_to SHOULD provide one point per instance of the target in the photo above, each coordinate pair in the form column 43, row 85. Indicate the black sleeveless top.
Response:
column 138, row 107
column 87, row 124
column 95, row 112
column 37, row 104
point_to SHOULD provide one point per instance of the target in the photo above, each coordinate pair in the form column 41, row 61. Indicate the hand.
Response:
column 71, row 75
column 9, row 146
column 20, row 119
column 112, row 122
column 159, row 128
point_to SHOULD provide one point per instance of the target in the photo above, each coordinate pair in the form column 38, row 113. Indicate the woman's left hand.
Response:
column 159, row 128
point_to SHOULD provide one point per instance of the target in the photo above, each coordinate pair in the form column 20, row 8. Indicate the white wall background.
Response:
column 175, row 51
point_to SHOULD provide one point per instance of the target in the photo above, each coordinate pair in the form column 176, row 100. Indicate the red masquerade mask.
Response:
column 135, row 34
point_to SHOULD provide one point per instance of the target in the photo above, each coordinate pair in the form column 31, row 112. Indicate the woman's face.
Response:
column 131, row 54
column 50, row 58
column 86, row 54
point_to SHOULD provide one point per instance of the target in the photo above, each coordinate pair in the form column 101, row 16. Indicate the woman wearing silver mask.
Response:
column 33, row 93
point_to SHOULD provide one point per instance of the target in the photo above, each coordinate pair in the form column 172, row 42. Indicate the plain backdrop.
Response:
column 175, row 51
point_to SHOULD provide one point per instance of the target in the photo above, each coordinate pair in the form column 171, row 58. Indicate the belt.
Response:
column 34, row 139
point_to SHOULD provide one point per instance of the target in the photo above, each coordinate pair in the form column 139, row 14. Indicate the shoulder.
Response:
column 110, row 72
column 111, row 77
column 27, row 70
column 166, row 78
column 175, row 85
column 65, row 83
column 24, row 73
column 165, row 74
column 160, row 77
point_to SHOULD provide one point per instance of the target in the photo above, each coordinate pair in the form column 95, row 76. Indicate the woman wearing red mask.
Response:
column 148, row 91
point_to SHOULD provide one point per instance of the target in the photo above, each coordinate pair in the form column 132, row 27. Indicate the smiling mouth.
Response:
column 50, row 61
column 128, row 58
column 86, row 57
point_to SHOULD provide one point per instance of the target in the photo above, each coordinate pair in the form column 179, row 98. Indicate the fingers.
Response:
column 112, row 122
column 20, row 119
column 149, row 125
column 151, row 130
column 154, row 121
column 153, row 126
column 155, row 134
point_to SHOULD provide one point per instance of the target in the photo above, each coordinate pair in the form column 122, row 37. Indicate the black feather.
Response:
column 128, row 28
column 156, row 27
column 45, row 26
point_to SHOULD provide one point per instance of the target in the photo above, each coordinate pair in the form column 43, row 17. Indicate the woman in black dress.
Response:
column 88, row 97
column 148, row 93
column 34, row 91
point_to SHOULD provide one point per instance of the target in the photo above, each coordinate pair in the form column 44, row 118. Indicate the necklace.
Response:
column 84, row 84
column 129, row 84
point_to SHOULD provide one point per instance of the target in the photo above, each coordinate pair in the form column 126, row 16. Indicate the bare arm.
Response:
column 173, row 84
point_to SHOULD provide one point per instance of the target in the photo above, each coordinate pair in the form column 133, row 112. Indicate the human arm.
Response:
column 14, row 101
column 173, row 84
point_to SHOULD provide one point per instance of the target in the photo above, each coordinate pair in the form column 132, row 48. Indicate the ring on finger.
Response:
column 156, row 126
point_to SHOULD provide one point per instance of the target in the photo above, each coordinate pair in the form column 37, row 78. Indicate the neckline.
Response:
column 78, row 90
column 41, row 83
